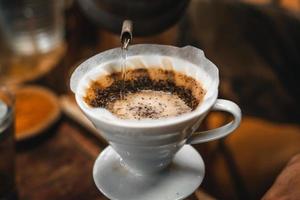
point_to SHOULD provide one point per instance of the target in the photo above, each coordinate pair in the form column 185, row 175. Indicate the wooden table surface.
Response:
column 57, row 165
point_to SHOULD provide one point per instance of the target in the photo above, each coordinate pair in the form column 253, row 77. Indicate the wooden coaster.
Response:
column 37, row 108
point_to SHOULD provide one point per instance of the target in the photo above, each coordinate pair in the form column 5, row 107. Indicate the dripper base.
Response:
column 178, row 181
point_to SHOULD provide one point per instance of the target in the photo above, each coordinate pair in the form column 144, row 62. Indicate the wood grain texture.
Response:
column 59, row 167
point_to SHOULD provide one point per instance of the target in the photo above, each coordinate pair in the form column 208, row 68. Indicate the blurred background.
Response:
column 254, row 43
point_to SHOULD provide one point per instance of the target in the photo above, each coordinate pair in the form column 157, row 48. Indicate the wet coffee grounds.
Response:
column 99, row 96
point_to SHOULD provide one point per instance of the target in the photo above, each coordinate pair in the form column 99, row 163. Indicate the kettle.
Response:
column 149, row 17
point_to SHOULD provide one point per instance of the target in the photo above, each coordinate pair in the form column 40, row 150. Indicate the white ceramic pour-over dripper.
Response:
column 146, row 146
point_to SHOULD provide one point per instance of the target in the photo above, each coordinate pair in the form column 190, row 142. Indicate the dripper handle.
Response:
column 217, row 133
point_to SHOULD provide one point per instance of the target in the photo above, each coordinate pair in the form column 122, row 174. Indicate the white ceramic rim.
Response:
column 153, row 123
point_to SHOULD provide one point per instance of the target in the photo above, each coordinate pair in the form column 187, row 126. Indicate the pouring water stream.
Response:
column 126, row 37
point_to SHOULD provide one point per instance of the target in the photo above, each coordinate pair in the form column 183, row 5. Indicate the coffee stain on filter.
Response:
column 136, row 63
column 166, row 64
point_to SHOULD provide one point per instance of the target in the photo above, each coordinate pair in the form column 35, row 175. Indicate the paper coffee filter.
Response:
column 188, row 60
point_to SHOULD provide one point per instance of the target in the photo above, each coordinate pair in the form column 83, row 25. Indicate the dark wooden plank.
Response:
column 60, row 167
